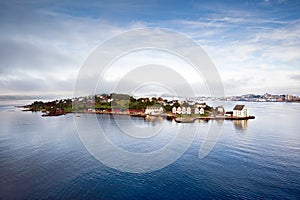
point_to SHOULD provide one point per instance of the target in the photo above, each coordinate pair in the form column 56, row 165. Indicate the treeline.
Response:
column 125, row 101
column 100, row 102
column 104, row 102
column 65, row 104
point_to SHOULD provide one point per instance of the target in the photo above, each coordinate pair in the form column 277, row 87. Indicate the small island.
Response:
column 182, row 111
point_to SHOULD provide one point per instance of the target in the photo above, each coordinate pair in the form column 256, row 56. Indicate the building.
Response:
column 178, row 110
column 240, row 111
column 201, row 112
column 220, row 110
column 201, row 105
column 183, row 110
column 188, row 110
column 154, row 110
column 174, row 110
column 229, row 114
column 289, row 97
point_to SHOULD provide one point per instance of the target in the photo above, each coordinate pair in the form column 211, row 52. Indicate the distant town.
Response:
column 246, row 97
column 254, row 98
column 265, row 98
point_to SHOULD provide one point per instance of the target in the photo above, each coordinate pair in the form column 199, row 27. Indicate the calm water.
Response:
column 44, row 158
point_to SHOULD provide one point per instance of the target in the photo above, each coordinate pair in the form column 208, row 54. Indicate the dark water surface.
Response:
column 44, row 158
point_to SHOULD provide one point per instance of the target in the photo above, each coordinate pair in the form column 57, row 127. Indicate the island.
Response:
column 181, row 110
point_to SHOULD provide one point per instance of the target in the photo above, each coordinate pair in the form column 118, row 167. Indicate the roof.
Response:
column 238, row 107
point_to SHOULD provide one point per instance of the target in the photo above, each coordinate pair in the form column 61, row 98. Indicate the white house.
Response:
column 183, row 110
column 188, row 110
column 196, row 111
column 240, row 111
column 179, row 110
column 154, row 110
column 201, row 111
column 174, row 110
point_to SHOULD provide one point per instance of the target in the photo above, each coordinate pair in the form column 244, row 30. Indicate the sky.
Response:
column 255, row 45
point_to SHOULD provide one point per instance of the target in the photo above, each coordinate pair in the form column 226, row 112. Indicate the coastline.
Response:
column 181, row 119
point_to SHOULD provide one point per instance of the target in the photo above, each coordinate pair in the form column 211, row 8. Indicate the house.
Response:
column 154, row 110
column 178, row 110
column 220, row 110
column 240, row 111
column 174, row 110
column 183, row 110
column 201, row 111
column 188, row 110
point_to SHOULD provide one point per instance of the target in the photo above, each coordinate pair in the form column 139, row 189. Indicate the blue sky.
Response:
column 255, row 45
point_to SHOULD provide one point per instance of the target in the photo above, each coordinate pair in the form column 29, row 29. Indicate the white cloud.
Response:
column 47, row 48
column 252, row 51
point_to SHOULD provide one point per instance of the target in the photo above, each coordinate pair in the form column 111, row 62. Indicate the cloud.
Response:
column 43, row 50
column 43, row 46
column 295, row 77
column 28, row 55
column 265, row 2
column 27, row 85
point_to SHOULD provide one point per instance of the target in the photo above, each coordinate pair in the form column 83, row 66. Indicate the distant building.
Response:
column 197, row 111
column 174, row 110
column 289, row 97
column 179, row 110
column 154, row 110
column 183, row 110
column 229, row 113
column 201, row 111
column 188, row 110
column 220, row 110
column 240, row 111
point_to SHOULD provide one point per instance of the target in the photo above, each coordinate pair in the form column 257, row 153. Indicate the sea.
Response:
column 49, row 157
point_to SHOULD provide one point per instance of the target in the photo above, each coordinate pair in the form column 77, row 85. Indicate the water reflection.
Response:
column 220, row 121
column 241, row 125
column 204, row 121
column 154, row 119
